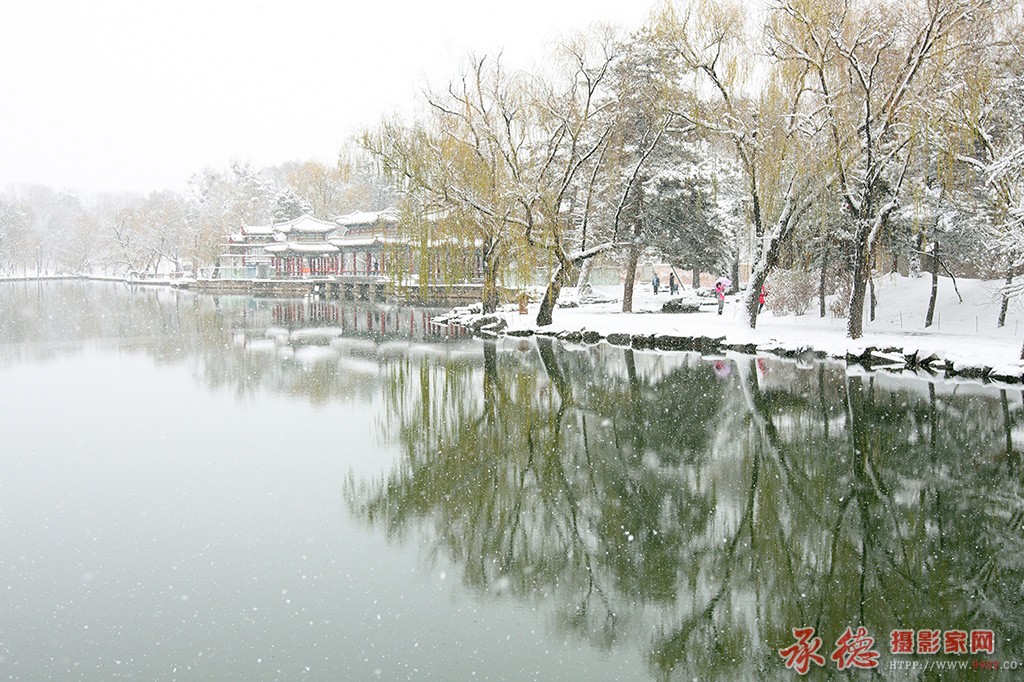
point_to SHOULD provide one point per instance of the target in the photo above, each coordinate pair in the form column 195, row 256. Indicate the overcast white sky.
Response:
column 139, row 95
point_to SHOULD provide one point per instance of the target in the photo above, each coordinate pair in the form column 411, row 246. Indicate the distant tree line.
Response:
column 48, row 231
column 824, row 142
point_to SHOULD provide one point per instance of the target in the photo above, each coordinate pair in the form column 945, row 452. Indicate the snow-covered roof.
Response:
column 258, row 229
column 356, row 241
column 301, row 247
column 303, row 224
column 360, row 218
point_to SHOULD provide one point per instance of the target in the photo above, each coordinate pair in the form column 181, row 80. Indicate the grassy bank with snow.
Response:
column 963, row 339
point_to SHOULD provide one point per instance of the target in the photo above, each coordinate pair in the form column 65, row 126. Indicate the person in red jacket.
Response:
column 760, row 298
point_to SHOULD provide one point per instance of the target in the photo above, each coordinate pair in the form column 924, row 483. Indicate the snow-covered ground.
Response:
column 964, row 334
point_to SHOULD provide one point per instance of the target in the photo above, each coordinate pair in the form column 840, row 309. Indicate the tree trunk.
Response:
column 584, row 278
column 734, row 265
column 752, row 303
column 935, row 286
column 627, row 286
column 821, row 283
column 1006, row 296
column 735, row 273
column 695, row 278
column 559, row 279
column 489, row 294
column 759, row 275
column 874, row 300
column 855, row 323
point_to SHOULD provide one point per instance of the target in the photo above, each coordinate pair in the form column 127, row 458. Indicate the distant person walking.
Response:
column 761, row 297
column 720, row 292
column 655, row 283
column 672, row 286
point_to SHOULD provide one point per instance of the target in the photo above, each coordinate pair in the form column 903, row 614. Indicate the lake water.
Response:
column 203, row 488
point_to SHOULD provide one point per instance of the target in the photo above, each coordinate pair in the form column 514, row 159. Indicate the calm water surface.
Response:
column 197, row 488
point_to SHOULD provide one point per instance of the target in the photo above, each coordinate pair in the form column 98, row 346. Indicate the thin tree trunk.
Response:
column 1006, row 295
column 695, row 278
column 627, row 286
column 935, row 286
column 734, row 266
column 767, row 262
column 874, row 300
column 821, row 283
column 914, row 261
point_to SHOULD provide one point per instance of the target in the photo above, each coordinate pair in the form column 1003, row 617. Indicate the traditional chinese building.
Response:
column 363, row 244
column 363, row 237
column 245, row 255
column 294, row 248
column 301, row 248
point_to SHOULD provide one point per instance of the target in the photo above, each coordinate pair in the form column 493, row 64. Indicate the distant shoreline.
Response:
column 958, row 353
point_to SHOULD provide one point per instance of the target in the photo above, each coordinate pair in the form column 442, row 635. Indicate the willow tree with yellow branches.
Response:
column 763, row 121
column 873, row 65
column 503, row 158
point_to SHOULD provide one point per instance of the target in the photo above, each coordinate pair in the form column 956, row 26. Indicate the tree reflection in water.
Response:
column 694, row 509
column 701, row 509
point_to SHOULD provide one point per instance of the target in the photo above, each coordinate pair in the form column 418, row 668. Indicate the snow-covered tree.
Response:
column 874, row 66
column 452, row 167
column 288, row 205
column 51, row 214
column 508, row 157
column 14, row 233
column 767, row 129
column 691, row 224
column 984, row 111
column 644, row 139
column 220, row 202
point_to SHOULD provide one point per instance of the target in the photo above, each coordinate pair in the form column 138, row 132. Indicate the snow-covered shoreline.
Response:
column 963, row 341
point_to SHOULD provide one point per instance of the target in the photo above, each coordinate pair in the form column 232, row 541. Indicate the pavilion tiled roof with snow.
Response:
column 387, row 217
column 303, row 225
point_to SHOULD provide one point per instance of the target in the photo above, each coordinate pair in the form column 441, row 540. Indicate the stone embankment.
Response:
column 887, row 358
